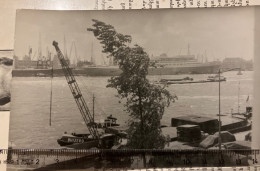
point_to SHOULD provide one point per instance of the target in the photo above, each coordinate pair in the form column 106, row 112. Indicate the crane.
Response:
column 75, row 90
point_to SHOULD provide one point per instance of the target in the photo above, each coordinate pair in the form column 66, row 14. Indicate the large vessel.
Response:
column 162, row 65
column 183, row 64
column 170, row 68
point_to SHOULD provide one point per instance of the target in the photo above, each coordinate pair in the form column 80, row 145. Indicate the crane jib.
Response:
column 75, row 90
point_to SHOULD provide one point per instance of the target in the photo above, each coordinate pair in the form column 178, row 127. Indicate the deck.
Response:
column 210, row 124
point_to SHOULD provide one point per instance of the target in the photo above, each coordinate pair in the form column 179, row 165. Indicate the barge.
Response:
column 188, row 80
column 193, row 131
column 210, row 125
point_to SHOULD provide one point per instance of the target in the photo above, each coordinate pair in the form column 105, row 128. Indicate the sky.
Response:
column 216, row 33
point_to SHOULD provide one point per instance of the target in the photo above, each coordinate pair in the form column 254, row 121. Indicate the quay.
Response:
column 210, row 125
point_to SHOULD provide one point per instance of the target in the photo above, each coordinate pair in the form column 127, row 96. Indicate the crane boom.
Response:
column 83, row 108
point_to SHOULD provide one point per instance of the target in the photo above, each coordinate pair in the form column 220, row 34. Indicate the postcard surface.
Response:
column 150, row 79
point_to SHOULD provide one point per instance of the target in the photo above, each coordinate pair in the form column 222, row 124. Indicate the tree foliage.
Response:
column 145, row 102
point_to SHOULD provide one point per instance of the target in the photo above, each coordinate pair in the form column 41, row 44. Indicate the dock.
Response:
column 210, row 124
column 234, row 124
column 192, row 82
column 207, row 124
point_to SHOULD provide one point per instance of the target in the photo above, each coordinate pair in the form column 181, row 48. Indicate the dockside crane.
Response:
column 75, row 90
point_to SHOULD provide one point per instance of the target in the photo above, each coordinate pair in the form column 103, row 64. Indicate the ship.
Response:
column 162, row 65
column 115, row 71
column 183, row 64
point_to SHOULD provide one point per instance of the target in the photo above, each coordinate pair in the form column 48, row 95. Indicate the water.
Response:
column 30, row 108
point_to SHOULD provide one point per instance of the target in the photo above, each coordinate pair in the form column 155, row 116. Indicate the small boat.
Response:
column 216, row 78
column 247, row 114
column 110, row 122
column 188, row 80
column 249, row 109
column 239, row 72
column 69, row 139
column 85, row 141
column 74, row 138
column 192, row 82
column 180, row 79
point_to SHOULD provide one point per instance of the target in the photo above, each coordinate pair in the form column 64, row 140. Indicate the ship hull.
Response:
column 109, row 71
column 204, row 69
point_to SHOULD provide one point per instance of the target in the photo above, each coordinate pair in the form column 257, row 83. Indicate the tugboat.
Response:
column 69, row 139
column 216, row 78
column 73, row 138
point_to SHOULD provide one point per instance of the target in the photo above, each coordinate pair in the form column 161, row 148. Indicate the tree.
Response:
column 145, row 102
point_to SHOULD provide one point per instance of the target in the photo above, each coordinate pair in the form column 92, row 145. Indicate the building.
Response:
column 27, row 63
column 237, row 62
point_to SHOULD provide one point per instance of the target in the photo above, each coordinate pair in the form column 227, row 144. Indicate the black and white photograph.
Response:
column 6, row 62
column 134, row 79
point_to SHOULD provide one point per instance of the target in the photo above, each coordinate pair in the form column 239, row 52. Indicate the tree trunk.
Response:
column 141, row 118
column 144, row 160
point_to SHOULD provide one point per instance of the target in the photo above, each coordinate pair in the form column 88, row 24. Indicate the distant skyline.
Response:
column 216, row 33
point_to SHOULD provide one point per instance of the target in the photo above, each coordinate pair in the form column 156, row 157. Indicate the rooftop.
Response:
column 187, row 126
column 195, row 118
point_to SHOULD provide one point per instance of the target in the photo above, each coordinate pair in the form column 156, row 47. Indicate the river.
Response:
column 30, row 107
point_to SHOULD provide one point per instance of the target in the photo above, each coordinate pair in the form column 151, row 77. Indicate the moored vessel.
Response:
column 162, row 65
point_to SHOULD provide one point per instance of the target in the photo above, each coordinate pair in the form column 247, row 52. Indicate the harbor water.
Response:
column 30, row 108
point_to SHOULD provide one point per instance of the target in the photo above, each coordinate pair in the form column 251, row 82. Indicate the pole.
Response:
column 51, row 94
column 238, row 103
column 219, row 107
column 219, row 118
column 93, row 108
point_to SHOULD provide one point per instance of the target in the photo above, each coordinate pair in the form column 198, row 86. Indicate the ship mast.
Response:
column 206, row 58
column 73, row 60
column 76, row 54
column 93, row 108
column 238, row 105
column 51, row 94
column 65, row 48
column 92, row 57
column 50, row 64
column 30, row 52
column 39, row 48
column 188, row 49
column 39, row 60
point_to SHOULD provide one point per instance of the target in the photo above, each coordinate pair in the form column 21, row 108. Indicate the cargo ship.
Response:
column 162, row 65
column 115, row 71
column 183, row 64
